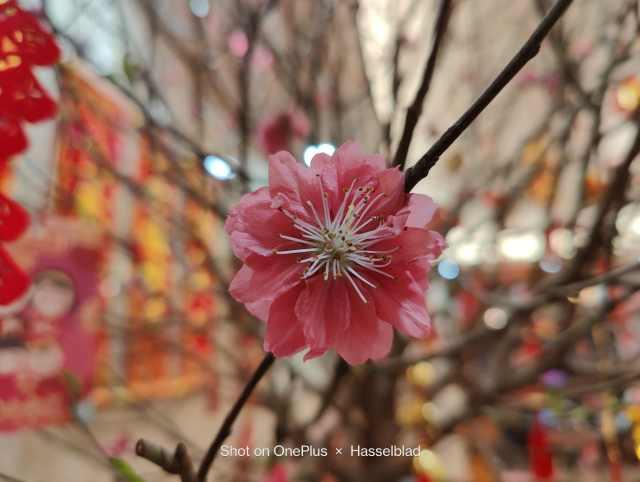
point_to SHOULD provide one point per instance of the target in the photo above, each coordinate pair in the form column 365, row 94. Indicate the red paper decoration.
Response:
column 23, row 98
column 13, row 281
column 540, row 460
column 13, row 139
column 13, row 219
column 23, row 37
column 23, row 44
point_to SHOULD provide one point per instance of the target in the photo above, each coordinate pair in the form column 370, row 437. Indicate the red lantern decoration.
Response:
column 13, row 281
column 540, row 460
column 23, row 44
column 22, row 35
column 13, row 219
column 22, row 97
column 8, row 8
column 13, row 138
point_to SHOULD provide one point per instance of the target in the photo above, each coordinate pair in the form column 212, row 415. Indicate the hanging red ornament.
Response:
column 540, row 460
column 22, row 97
column 8, row 8
column 13, row 138
column 23, row 43
column 22, row 35
column 14, row 219
column 13, row 281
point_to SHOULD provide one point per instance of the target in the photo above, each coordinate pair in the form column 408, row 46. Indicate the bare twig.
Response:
column 179, row 463
column 528, row 51
column 415, row 109
column 227, row 424
column 9, row 478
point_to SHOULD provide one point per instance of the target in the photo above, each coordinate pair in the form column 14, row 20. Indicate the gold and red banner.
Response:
column 51, row 339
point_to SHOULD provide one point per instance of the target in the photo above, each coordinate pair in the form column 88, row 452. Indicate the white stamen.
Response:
column 315, row 214
column 339, row 245
column 365, row 211
column 296, row 251
column 297, row 240
column 339, row 216
column 325, row 206
column 360, row 277
column 355, row 286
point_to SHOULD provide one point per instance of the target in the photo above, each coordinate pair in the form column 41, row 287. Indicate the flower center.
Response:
column 341, row 244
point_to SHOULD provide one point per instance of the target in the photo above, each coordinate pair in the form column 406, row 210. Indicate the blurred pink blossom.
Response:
column 276, row 133
column 238, row 43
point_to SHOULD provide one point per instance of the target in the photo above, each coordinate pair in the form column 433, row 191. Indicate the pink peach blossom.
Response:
column 334, row 255
column 276, row 133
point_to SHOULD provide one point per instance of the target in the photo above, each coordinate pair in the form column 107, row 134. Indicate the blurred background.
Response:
column 167, row 112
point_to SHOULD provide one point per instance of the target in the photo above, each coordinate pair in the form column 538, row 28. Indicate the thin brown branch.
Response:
column 528, row 51
column 362, row 62
column 613, row 196
column 227, row 424
column 9, row 478
column 415, row 109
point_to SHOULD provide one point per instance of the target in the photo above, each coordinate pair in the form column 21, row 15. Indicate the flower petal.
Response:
column 324, row 166
column 324, row 309
column 254, row 226
column 409, row 244
column 352, row 164
column 367, row 337
column 259, row 287
column 321, row 161
column 293, row 180
column 402, row 302
column 436, row 246
column 391, row 183
column 419, row 210
column 284, row 334
column 314, row 353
